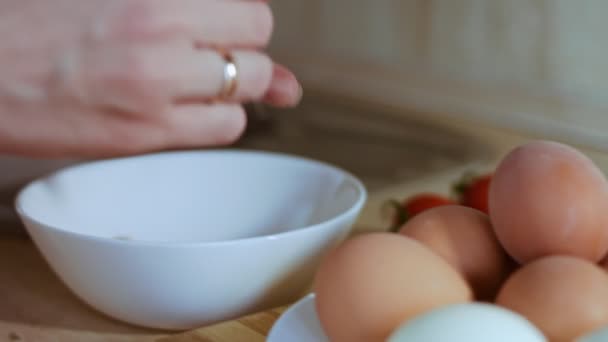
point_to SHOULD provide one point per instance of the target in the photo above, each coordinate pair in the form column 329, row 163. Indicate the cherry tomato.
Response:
column 472, row 192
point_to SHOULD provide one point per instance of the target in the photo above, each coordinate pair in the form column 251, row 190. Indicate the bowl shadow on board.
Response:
column 32, row 295
column 277, row 295
column 9, row 220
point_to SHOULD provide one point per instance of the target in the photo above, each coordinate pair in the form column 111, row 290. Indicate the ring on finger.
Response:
column 230, row 75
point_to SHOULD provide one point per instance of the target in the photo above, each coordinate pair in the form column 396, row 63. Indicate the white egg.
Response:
column 600, row 335
column 471, row 322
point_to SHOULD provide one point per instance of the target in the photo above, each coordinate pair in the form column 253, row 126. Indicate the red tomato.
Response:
column 473, row 192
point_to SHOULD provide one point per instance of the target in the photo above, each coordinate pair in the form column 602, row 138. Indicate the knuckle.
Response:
column 137, row 76
column 130, row 83
column 262, row 23
column 136, row 19
column 134, row 68
column 224, row 126
column 126, row 140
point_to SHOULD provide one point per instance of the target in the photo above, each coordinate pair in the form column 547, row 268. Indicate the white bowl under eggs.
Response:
column 179, row 240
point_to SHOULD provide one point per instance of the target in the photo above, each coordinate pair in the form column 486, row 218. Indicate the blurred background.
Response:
column 397, row 91
column 536, row 66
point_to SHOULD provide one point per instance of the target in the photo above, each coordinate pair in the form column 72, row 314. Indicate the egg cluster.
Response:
column 531, row 270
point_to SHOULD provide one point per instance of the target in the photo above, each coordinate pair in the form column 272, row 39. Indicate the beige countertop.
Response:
column 36, row 306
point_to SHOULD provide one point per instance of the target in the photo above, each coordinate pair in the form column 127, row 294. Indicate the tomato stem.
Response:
column 460, row 187
column 394, row 210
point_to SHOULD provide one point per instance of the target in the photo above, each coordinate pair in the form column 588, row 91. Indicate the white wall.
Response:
column 538, row 65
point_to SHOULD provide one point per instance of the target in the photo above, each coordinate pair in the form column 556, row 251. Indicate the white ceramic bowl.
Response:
column 177, row 240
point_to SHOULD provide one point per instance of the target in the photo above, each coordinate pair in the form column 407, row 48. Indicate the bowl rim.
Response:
column 354, row 209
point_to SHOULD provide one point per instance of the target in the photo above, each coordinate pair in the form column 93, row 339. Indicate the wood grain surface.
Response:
column 36, row 306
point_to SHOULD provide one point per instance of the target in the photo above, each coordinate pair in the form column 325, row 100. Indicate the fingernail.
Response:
column 299, row 92
column 285, row 90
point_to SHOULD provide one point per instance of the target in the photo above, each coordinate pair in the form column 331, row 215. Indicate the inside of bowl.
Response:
column 191, row 196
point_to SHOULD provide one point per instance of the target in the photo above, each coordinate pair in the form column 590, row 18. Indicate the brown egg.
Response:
column 563, row 296
column 373, row 282
column 547, row 198
column 464, row 238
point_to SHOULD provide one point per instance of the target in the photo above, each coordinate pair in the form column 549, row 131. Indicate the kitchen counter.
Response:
column 36, row 306
column 403, row 155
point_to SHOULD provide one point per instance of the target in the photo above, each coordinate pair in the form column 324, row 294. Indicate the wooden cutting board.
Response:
column 36, row 306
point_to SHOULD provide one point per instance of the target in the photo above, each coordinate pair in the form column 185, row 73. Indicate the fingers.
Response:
column 182, row 126
column 112, row 134
column 146, row 80
column 204, row 22
column 200, row 76
column 284, row 89
column 234, row 24
column 204, row 125
column 143, row 78
column 257, row 78
column 169, row 57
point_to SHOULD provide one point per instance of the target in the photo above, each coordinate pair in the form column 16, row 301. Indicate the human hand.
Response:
column 97, row 78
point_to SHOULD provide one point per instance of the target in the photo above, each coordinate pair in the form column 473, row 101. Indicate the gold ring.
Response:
column 230, row 76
